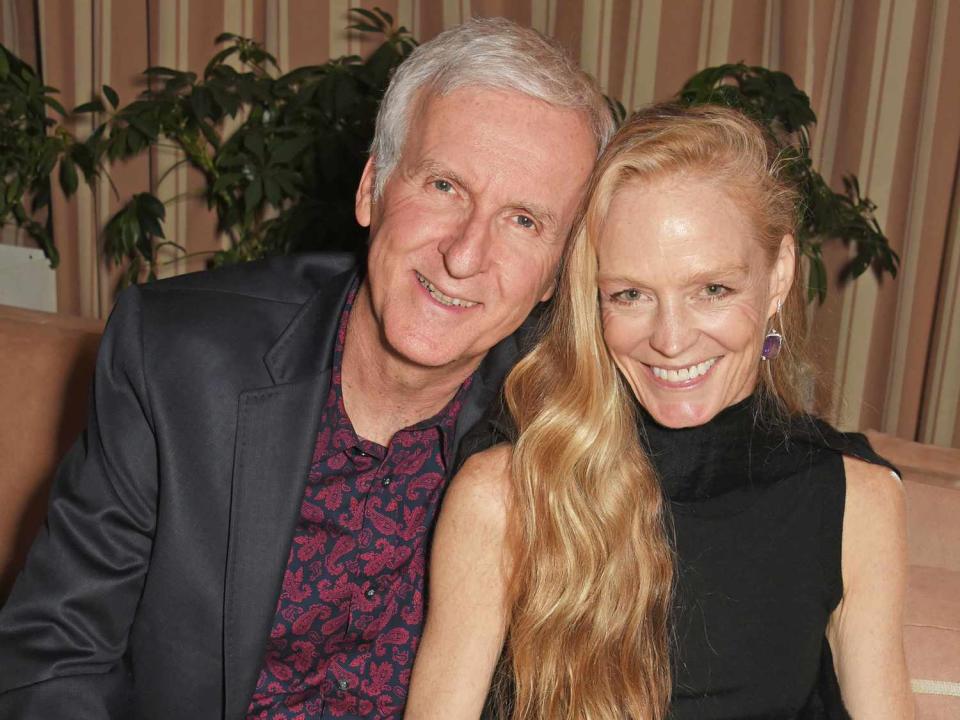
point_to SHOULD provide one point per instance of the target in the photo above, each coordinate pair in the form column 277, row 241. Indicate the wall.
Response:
column 878, row 73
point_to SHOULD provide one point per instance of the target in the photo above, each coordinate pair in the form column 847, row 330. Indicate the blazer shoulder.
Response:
column 234, row 314
column 288, row 279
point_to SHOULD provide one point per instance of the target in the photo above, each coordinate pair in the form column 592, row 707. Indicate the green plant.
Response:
column 284, row 178
column 31, row 145
column 774, row 100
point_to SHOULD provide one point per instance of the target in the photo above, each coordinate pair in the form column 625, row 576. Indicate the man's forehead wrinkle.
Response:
column 495, row 161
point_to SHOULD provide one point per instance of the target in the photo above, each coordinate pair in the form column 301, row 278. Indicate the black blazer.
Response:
column 150, row 591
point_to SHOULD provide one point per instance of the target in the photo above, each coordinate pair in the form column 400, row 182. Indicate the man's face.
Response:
column 467, row 235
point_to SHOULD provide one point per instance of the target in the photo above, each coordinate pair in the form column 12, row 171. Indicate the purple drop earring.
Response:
column 773, row 342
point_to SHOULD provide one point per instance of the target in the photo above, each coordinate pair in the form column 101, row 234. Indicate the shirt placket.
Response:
column 347, row 668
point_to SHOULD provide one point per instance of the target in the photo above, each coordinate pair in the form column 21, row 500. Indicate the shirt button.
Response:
column 386, row 481
column 361, row 453
column 370, row 592
column 343, row 684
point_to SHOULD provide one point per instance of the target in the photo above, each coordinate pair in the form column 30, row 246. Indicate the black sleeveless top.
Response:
column 757, row 514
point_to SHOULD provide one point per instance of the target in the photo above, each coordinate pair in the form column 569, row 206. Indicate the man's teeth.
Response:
column 687, row 373
column 440, row 297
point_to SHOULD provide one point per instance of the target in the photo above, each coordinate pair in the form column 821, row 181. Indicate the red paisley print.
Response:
column 350, row 612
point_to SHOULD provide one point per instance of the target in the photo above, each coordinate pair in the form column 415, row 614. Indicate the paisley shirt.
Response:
column 351, row 608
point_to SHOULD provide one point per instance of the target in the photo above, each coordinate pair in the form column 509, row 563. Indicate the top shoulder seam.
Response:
column 252, row 296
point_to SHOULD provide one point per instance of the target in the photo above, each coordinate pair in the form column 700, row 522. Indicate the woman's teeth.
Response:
column 440, row 297
column 687, row 373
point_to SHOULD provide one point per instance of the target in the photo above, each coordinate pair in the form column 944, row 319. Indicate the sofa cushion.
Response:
column 932, row 641
column 931, row 630
column 46, row 365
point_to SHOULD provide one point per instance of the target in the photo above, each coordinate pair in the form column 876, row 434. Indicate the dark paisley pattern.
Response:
column 351, row 609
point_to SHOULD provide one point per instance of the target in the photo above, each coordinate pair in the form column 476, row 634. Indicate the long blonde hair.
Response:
column 592, row 567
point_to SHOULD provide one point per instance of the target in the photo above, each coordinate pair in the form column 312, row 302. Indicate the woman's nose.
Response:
column 673, row 330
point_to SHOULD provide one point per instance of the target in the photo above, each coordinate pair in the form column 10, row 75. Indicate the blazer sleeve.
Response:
column 64, row 629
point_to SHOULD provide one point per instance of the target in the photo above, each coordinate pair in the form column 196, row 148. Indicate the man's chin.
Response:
column 430, row 352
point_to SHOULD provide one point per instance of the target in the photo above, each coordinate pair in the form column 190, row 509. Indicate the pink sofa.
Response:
column 46, row 362
column 932, row 615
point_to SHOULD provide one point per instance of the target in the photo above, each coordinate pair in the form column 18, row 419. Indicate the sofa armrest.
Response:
column 46, row 368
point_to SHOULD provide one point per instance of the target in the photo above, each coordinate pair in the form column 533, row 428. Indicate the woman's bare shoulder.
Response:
column 874, row 525
column 482, row 486
column 873, row 491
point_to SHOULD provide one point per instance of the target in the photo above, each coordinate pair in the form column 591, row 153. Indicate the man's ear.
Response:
column 782, row 273
column 363, row 206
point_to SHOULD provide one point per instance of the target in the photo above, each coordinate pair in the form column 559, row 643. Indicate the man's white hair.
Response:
column 485, row 52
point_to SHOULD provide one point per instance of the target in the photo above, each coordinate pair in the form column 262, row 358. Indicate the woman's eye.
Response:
column 525, row 222
column 627, row 296
column 715, row 290
column 444, row 186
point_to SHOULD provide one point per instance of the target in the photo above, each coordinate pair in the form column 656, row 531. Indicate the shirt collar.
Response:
column 445, row 420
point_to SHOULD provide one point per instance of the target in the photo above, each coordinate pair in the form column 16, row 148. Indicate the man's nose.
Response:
column 465, row 251
column 673, row 330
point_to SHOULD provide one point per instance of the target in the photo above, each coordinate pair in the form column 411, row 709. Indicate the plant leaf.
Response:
column 89, row 107
column 55, row 104
column 148, row 203
column 253, row 194
column 111, row 96
column 161, row 71
column 68, row 176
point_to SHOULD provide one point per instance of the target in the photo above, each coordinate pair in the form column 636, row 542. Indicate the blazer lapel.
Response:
column 481, row 405
column 276, row 432
column 275, row 437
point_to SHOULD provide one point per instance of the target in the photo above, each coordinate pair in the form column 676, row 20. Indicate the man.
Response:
column 242, row 530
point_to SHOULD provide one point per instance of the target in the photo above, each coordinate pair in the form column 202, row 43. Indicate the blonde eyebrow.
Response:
column 696, row 277
column 625, row 279
column 738, row 269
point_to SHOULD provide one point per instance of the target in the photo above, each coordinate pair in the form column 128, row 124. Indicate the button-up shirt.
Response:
column 351, row 609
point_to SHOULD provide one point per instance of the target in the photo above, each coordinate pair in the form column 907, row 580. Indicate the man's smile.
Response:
column 442, row 297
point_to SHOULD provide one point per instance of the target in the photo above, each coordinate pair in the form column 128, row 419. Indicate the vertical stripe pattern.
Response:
column 894, row 32
column 880, row 74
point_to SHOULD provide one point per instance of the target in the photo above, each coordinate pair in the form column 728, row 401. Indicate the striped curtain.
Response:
column 881, row 75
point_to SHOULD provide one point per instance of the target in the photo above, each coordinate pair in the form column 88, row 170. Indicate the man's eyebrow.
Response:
column 432, row 167
column 538, row 211
column 541, row 213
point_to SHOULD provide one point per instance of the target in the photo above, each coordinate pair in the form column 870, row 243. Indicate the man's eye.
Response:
column 525, row 222
column 444, row 186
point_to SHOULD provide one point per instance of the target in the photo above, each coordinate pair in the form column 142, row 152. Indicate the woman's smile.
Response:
column 685, row 296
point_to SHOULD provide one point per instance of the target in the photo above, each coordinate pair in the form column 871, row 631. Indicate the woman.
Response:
column 789, row 536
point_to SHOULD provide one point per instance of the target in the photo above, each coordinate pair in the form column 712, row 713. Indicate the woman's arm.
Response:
column 466, row 610
column 866, row 629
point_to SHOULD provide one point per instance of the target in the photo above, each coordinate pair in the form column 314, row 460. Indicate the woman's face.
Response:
column 685, row 294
